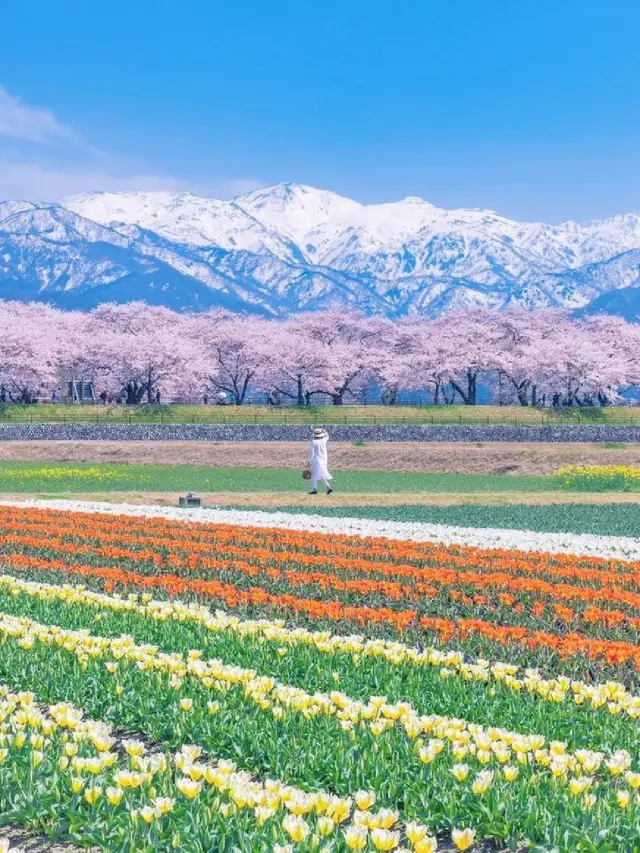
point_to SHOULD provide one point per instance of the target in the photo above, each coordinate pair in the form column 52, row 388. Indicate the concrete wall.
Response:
column 228, row 432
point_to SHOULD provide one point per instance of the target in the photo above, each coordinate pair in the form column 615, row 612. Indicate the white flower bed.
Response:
column 620, row 547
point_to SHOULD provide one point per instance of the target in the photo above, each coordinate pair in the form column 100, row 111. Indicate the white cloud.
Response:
column 35, row 124
column 43, row 159
column 38, row 182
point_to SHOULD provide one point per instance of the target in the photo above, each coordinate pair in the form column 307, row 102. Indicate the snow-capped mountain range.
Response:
column 291, row 248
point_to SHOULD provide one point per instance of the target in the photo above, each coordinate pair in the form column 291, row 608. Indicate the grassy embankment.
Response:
column 328, row 415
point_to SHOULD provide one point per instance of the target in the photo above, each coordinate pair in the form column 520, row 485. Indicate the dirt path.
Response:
column 445, row 457
column 297, row 499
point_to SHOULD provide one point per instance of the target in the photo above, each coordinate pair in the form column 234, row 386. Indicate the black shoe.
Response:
column 314, row 492
column 329, row 491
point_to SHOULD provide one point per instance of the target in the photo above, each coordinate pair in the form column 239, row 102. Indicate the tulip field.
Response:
column 202, row 685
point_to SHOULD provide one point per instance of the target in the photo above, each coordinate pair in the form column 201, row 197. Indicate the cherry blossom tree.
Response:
column 29, row 350
column 292, row 362
column 520, row 338
column 153, row 353
column 231, row 352
column 141, row 350
column 349, row 352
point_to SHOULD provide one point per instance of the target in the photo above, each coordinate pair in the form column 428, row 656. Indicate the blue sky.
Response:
column 529, row 107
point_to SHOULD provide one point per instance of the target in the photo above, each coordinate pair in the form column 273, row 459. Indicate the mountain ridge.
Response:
column 291, row 247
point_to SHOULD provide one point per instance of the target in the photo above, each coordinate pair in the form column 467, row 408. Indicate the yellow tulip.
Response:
column 510, row 773
column 364, row 799
column 188, row 787
column 426, row 845
column 460, row 772
column 163, row 805
column 356, row 837
column 632, row 779
column 77, row 785
column 147, row 814
column 114, row 795
column 482, row 782
column 383, row 839
column 134, row 747
column 263, row 813
column 623, row 798
column 415, row 831
column 325, row 826
column 92, row 794
column 296, row 827
column 463, row 838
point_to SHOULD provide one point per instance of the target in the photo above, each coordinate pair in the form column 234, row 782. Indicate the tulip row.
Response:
column 173, row 541
column 608, row 546
column 251, row 552
column 293, row 569
column 580, row 712
column 443, row 772
column 436, row 598
column 615, row 654
column 70, row 536
column 64, row 774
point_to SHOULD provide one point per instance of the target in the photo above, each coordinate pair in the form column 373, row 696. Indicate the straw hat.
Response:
column 319, row 432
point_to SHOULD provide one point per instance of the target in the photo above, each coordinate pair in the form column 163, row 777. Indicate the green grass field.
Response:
column 60, row 477
column 328, row 415
column 608, row 520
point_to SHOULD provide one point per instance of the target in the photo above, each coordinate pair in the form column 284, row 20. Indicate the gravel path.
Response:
column 620, row 547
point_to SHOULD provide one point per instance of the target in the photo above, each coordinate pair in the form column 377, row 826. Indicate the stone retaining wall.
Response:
column 241, row 432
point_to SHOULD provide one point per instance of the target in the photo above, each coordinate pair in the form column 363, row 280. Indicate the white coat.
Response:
column 319, row 460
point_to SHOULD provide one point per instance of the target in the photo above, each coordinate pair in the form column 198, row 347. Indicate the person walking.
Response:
column 319, row 461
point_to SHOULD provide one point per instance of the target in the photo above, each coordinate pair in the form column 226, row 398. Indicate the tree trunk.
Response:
column 389, row 395
column 457, row 388
column 522, row 390
column 300, row 390
column 472, row 385
column 448, row 400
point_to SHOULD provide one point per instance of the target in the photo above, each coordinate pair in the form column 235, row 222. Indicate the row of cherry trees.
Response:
column 140, row 351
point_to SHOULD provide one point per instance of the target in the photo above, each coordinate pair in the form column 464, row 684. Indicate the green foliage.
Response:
column 607, row 520
column 59, row 477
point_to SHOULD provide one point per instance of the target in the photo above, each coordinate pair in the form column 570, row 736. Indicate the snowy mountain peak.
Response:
column 294, row 247
column 415, row 199
column 184, row 218
column 300, row 212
